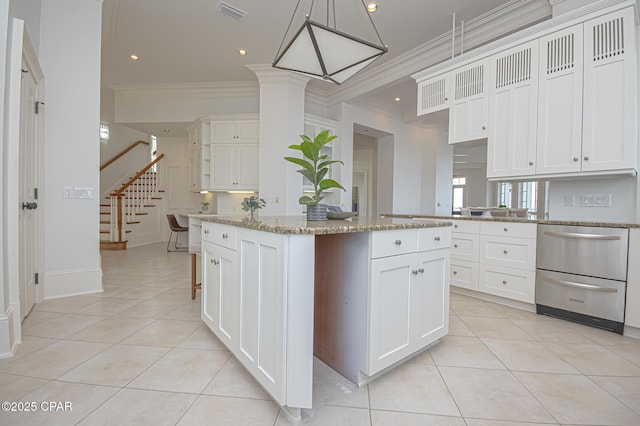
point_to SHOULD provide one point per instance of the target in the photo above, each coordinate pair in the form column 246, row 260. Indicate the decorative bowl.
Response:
column 340, row 215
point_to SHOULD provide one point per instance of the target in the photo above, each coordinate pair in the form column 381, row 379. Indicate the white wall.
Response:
column 476, row 186
column 29, row 12
column 436, row 171
column 120, row 137
column 70, row 43
column 6, row 340
column 623, row 199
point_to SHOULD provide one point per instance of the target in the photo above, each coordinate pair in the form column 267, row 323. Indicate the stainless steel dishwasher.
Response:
column 582, row 274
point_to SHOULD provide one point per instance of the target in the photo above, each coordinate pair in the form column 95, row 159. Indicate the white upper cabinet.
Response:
column 235, row 155
column 513, row 90
column 469, row 111
column 610, row 137
column 200, row 156
column 560, row 103
column 434, row 94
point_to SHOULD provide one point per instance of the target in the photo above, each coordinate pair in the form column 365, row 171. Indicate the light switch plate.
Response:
column 67, row 192
column 570, row 200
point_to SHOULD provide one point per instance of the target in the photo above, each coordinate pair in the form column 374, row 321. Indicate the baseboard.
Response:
column 632, row 331
column 144, row 239
column 495, row 299
column 8, row 340
column 72, row 283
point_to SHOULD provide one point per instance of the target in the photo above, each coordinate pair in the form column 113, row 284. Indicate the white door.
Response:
column 30, row 166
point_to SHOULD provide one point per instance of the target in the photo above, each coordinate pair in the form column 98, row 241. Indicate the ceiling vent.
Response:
column 232, row 11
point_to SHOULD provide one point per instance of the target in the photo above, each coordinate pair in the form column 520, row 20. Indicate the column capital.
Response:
column 267, row 74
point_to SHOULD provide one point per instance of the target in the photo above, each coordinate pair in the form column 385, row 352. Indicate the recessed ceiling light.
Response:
column 134, row 57
column 397, row 99
column 242, row 52
column 372, row 7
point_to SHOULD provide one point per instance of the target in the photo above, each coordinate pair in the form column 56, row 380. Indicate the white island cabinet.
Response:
column 361, row 295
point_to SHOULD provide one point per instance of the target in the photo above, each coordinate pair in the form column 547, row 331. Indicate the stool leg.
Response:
column 193, row 276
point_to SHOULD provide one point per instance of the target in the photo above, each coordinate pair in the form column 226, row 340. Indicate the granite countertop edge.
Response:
column 298, row 225
column 520, row 220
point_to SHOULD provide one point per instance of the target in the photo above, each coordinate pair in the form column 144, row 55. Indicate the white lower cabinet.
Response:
column 632, row 312
column 408, row 296
column 497, row 258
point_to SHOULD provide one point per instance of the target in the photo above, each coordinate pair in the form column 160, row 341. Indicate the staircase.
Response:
column 126, row 205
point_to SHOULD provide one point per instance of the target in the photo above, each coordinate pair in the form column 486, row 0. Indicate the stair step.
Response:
column 107, row 232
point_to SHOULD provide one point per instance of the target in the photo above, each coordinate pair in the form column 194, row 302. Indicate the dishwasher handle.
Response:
column 581, row 285
column 583, row 236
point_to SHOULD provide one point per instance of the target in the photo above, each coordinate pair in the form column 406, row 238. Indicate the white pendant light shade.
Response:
column 323, row 52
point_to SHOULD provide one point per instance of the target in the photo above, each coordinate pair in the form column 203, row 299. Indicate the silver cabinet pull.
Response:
column 455, row 246
column 583, row 236
column 398, row 242
column 455, row 272
column 505, row 251
column 504, row 282
column 531, row 163
column 414, row 272
column 421, row 270
column 580, row 285
column 437, row 238
column 455, row 226
column 586, row 158
column 506, row 229
column 576, row 158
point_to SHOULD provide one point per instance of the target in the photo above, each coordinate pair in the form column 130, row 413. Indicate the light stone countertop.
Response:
column 300, row 225
column 520, row 220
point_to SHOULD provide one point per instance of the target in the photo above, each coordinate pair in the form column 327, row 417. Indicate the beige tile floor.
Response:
column 138, row 354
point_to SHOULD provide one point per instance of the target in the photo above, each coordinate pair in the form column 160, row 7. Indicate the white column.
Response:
column 281, row 124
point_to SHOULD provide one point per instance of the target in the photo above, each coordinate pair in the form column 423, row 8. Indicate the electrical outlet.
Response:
column 596, row 200
column 67, row 192
column 570, row 200
column 84, row 193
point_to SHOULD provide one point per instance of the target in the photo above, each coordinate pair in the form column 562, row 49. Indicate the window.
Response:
column 528, row 195
column 459, row 200
column 504, row 194
column 153, row 147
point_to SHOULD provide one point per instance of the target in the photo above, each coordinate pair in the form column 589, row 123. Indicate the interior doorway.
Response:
column 29, row 178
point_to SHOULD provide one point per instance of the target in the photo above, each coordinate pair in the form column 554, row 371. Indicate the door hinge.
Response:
column 35, row 193
column 36, row 278
column 38, row 103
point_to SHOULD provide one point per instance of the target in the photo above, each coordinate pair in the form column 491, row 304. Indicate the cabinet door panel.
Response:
column 431, row 288
column 247, row 174
column 222, row 163
column 610, row 92
column 223, row 132
column 464, row 274
column 248, row 131
column 433, row 94
column 262, row 310
column 469, row 111
column 390, row 311
column 228, row 323
column 210, row 283
column 560, row 102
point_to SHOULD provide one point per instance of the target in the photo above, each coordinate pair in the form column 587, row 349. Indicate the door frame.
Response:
column 19, row 48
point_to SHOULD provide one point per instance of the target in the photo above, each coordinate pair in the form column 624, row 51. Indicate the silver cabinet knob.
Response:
column 455, row 272
column 455, row 226
column 506, row 229
column 414, row 272
column 455, row 246
column 398, row 242
column 506, row 252
column 504, row 282
column 576, row 158
column 212, row 261
column 484, row 127
column 531, row 163
column 586, row 158
column 446, row 99
column 437, row 238
column 421, row 270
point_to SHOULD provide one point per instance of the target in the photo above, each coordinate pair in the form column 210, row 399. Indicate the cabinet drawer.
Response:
column 391, row 243
column 464, row 274
column 511, row 283
column 466, row 226
column 506, row 251
column 222, row 235
column 434, row 238
column 465, row 246
column 508, row 229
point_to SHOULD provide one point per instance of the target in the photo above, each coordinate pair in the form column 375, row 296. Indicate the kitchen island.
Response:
column 362, row 295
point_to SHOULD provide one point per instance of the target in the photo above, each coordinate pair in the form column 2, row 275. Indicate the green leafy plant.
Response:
column 205, row 205
column 315, row 166
column 253, row 203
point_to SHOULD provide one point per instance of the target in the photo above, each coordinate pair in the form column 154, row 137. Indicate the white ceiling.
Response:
column 189, row 41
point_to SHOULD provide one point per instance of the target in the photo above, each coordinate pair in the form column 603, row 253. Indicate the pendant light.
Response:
column 324, row 51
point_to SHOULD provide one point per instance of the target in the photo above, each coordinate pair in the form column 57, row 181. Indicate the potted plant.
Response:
column 204, row 206
column 315, row 167
column 253, row 203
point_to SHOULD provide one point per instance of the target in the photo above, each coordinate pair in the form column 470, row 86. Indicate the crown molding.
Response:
column 266, row 73
column 483, row 29
column 189, row 90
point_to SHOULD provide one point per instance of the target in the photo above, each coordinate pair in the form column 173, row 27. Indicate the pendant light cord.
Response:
column 372, row 24
column 289, row 26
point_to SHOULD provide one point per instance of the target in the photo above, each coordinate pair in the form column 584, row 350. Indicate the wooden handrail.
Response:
column 123, row 152
column 140, row 173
